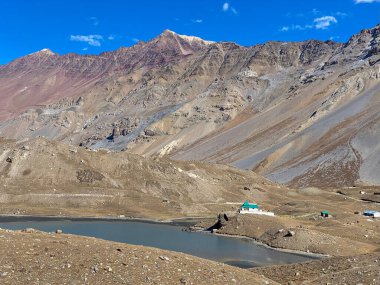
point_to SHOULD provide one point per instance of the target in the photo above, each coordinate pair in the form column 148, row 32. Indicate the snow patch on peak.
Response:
column 47, row 51
column 189, row 38
column 195, row 39
column 44, row 51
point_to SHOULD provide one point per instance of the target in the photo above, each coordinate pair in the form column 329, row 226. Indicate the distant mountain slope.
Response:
column 47, row 177
column 299, row 113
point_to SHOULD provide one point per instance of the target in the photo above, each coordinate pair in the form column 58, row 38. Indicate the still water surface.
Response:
column 233, row 251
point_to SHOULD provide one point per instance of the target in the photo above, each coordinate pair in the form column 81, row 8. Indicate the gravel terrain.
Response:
column 31, row 257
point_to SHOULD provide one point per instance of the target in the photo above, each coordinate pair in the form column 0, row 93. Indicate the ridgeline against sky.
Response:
column 96, row 26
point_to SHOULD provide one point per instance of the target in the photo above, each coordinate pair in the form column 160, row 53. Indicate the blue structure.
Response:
column 374, row 214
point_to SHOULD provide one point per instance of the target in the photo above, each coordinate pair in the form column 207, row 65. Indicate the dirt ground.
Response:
column 32, row 257
column 300, row 235
column 362, row 269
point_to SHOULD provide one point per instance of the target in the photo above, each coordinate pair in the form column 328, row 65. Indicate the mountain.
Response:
column 303, row 114
column 43, row 177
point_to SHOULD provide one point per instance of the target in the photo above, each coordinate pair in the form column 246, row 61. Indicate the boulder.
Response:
column 223, row 218
column 149, row 133
column 28, row 230
column 115, row 132
column 290, row 234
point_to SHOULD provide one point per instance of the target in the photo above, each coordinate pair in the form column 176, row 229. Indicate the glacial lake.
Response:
column 239, row 252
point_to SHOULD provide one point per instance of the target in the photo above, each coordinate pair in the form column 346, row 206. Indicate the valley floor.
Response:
column 45, row 178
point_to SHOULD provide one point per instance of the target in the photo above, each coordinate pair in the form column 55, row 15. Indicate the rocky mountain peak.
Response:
column 190, row 39
column 178, row 44
column 365, row 36
column 366, row 44
column 44, row 52
column 43, row 57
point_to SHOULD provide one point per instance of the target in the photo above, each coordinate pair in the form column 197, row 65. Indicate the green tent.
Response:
column 325, row 214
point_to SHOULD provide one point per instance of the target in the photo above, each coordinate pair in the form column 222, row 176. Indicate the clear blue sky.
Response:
column 93, row 26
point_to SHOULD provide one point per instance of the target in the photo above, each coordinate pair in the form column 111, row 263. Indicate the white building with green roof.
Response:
column 251, row 208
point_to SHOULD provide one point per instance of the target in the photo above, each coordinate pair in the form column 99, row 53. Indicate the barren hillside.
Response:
column 303, row 113
column 45, row 177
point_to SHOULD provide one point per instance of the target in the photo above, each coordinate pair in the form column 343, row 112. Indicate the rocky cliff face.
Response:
column 299, row 113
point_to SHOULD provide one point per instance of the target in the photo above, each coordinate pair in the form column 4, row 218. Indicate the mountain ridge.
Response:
column 273, row 108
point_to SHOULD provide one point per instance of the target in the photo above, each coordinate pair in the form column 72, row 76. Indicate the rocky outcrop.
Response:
column 89, row 176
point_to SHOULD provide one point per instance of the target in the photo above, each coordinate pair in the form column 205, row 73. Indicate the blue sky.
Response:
column 93, row 26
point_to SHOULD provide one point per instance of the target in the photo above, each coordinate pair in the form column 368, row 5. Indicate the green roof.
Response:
column 247, row 205
column 325, row 212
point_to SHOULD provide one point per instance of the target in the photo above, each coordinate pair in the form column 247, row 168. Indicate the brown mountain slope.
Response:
column 298, row 113
column 44, row 177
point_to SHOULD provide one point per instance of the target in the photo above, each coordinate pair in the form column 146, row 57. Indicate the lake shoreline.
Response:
column 185, row 222
column 292, row 251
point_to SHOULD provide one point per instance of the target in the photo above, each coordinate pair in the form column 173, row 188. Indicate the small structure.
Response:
column 325, row 214
column 373, row 214
column 249, row 208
